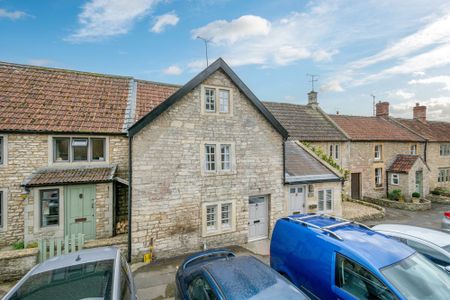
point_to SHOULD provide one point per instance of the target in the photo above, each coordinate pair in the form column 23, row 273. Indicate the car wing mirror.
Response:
column 447, row 268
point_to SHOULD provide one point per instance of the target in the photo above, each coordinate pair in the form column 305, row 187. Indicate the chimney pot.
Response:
column 382, row 109
column 420, row 112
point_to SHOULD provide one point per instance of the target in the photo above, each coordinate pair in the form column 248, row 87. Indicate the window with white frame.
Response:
column 444, row 175
column 49, row 207
column 79, row 149
column 444, row 150
column 325, row 200
column 218, row 157
column 218, row 217
column 413, row 149
column 224, row 101
column 378, row 177
column 210, row 100
column 378, row 152
column 211, row 218
column 2, row 150
column 210, row 157
column 395, row 179
column 225, row 157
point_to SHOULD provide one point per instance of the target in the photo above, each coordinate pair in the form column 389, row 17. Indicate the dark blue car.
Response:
column 220, row 274
column 332, row 258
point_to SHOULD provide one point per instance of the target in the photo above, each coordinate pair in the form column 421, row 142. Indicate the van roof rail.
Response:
column 326, row 229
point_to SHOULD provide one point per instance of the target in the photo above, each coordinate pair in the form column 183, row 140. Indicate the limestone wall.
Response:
column 169, row 186
column 436, row 161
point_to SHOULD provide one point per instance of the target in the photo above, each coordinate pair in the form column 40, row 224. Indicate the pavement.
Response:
column 429, row 218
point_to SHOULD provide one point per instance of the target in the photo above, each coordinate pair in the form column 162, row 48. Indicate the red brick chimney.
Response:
column 420, row 112
column 382, row 109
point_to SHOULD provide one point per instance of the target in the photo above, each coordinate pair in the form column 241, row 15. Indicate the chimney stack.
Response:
column 420, row 112
column 312, row 99
column 382, row 109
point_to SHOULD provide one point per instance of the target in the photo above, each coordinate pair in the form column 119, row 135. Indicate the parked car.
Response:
column 99, row 273
column 445, row 224
column 433, row 244
column 333, row 258
column 220, row 274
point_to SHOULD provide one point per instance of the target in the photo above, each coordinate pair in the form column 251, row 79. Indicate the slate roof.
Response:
column 360, row 128
column 403, row 163
column 301, row 166
column 70, row 175
column 39, row 99
column 434, row 131
column 304, row 122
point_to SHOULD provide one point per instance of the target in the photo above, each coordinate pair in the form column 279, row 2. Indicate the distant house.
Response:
column 64, row 150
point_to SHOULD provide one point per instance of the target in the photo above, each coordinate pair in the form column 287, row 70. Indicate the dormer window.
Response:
column 216, row 100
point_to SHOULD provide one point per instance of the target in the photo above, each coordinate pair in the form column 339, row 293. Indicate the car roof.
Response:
column 76, row 258
column 377, row 249
column 436, row 237
column 244, row 277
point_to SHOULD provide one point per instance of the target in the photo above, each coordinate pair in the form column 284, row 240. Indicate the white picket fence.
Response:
column 51, row 247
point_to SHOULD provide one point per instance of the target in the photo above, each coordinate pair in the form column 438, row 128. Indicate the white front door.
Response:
column 258, row 227
column 296, row 203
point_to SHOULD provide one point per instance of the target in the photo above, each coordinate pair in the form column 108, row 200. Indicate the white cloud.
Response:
column 12, row 15
column 332, row 86
column 163, row 21
column 100, row 19
column 418, row 74
column 173, row 70
column 42, row 62
column 434, row 33
column 222, row 31
column 404, row 94
column 444, row 80
column 438, row 108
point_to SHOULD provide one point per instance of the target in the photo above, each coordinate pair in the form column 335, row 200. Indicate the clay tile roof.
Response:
column 403, row 163
column 434, row 131
column 301, row 166
column 57, row 100
column 62, row 176
column 305, row 123
column 360, row 128
column 151, row 94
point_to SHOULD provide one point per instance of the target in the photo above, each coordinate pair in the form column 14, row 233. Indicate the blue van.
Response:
column 332, row 258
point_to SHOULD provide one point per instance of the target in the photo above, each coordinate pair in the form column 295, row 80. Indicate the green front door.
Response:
column 419, row 183
column 80, row 210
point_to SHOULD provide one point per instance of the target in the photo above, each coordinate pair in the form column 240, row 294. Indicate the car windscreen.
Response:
column 417, row 278
column 93, row 280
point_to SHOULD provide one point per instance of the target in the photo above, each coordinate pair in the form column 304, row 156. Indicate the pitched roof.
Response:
column 360, row 128
column 70, row 175
column 304, row 122
column 301, row 166
column 179, row 94
column 403, row 163
column 41, row 99
column 434, row 131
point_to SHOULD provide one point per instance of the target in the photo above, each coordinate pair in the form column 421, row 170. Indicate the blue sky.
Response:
column 397, row 50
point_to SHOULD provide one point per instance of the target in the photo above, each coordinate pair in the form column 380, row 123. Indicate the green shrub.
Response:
column 32, row 245
column 416, row 195
column 435, row 192
column 395, row 195
column 18, row 245
column 441, row 191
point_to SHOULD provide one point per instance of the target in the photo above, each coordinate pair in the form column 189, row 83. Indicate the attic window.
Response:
column 216, row 100
column 78, row 149
column 210, row 100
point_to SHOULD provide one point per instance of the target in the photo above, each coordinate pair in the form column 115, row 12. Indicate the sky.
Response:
column 397, row 50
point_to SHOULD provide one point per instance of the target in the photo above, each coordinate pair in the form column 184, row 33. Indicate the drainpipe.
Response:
column 130, row 140
column 425, row 151
column 284, row 161
column 387, row 185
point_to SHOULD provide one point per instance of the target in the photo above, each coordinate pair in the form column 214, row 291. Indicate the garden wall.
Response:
column 423, row 205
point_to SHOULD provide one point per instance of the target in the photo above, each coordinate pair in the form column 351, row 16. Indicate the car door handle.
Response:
column 257, row 221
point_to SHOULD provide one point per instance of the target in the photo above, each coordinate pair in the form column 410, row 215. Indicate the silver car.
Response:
column 433, row 244
column 93, row 274
column 446, row 221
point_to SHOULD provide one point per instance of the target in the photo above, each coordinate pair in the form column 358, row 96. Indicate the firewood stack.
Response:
column 122, row 227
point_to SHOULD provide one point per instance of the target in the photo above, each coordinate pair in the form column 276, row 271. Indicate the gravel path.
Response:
column 352, row 210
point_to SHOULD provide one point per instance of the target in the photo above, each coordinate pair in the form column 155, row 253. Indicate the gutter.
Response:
column 130, row 169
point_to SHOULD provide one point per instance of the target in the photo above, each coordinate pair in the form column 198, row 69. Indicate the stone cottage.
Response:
column 437, row 143
column 64, row 150
column 409, row 174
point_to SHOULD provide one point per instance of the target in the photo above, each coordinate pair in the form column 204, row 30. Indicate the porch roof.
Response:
column 70, row 175
column 403, row 163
